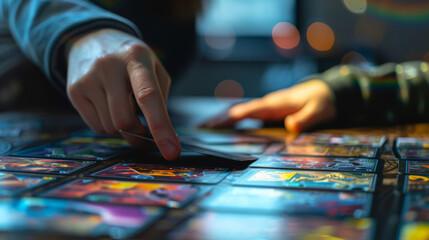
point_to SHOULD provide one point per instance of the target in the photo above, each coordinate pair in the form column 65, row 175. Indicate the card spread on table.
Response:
column 410, row 142
column 212, row 225
column 40, row 165
column 339, row 139
column 330, row 150
column 309, row 179
column 290, row 201
column 318, row 163
column 417, row 167
column 70, row 151
column 149, row 172
column 12, row 184
column 416, row 183
column 79, row 219
column 414, row 153
column 121, row 192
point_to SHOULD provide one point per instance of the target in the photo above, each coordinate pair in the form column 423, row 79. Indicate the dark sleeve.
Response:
column 387, row 94
column 42, row 29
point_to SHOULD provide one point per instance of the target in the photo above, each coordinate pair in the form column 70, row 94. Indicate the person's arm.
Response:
column 43, row 29
column 98, row 58
column 344, row 95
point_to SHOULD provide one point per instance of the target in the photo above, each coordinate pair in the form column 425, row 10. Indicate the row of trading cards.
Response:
column 414, row 207
column 412, row 148
column 81, row 219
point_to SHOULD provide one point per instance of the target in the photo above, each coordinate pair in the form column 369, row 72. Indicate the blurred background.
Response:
column 247, row 48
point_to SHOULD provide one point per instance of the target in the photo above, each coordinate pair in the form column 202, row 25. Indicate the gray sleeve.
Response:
column 41, row 28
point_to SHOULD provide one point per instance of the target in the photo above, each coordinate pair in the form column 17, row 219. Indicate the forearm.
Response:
column 387, row 94
column 43, row 28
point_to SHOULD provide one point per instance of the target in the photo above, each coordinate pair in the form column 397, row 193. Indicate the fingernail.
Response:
column 169, row 149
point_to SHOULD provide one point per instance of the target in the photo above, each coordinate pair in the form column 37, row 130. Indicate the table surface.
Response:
column 385, row 198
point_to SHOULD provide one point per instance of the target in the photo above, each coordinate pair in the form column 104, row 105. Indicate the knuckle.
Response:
column 124, row 124
column 136, row 50
column 145, row 93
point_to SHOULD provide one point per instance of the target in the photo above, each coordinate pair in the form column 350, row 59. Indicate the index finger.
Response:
column 149, row 98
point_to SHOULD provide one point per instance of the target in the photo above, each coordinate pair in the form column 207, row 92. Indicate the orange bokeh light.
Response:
column 320, row 36
column 229, row 89
column 285, row 35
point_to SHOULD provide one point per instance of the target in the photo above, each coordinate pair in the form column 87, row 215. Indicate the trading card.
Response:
column 70, row 151
column 73, row 218
column 212, row 225
column 416, row 183
column 410, row 142
column 12, row 184
column 416, row 207
column 318, row 163
column 339, row 139
column 413, row 153
column 39, row 165
column 330, row 150
column 121, row 192
column 417, row 167
column 102, row 142
column 141, row 171
column 290, row 201
column 221, row 137
column 240, row 148
column 309, row 179
column 414, row 230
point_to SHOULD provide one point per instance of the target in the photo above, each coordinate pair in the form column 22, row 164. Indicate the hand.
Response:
column 106, row 70
column 301, row 107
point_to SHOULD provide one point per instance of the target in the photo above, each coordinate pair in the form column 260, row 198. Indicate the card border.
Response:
column 221, row 176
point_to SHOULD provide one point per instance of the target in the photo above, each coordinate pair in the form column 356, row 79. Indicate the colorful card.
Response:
column 413, row 153
column 414, row 230
column 410, row 142
column 318, row 163
column 240, row 148
column 72, row 218
column 121, row 192
column 416, row 207
column 38, row 165
column 417, row 167
column 70, row 151
column 339, row 139
column 12, row 184
column 309, row 179
column 330, row 150
column 211, row 225
column 416, row 183
column 148, row 172
column 98, row 141
column 290, row 201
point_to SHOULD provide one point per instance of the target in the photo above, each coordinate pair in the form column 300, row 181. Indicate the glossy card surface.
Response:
column 309, row 179
column 148, row 172
column 122, row 192
column 40, row 165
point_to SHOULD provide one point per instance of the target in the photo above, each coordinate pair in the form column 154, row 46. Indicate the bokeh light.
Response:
column 320, row 36
column 356, row 6
column 285, row 35
column 353, row 58
column 220, row 38
column 229, row 89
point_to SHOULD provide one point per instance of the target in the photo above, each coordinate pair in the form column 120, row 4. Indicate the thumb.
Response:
column 309, row 116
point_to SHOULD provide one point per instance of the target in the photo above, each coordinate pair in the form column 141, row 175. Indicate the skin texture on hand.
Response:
column 106, row 70
column 301, row 107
